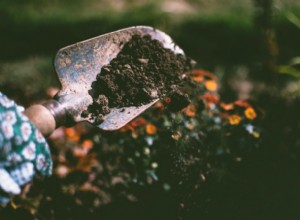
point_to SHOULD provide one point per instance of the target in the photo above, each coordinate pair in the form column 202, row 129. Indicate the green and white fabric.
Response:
column 24, row 152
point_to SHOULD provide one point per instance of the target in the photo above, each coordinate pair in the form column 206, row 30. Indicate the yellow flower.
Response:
column 151, row 129
column 250, row 113
column 234, row 119
column 211, row 85
column 256, row 134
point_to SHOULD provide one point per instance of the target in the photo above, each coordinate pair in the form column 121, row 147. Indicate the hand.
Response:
column 24, row 152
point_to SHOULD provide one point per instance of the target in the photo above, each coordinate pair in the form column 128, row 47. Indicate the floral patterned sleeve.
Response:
column 24, row 152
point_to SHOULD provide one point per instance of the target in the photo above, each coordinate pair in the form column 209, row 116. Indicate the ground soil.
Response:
column 143, row 71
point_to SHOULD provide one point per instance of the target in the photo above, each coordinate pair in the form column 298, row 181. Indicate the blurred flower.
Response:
column 151, row 129
column 167, row 99
column 199, row 75
column 140, row 121
column 256, row 134
column 125, row 128
column 227, row 107
column 211, row 85
column 159, row 105
column 62, row 171
column 250, row 113
column 87, row 144
column 154, row 165
column 86, row 163
column 242, row 103
column 134, row 134
column 176, row 135
column 72, row 134
column 234, row 119
column 190, row 110
column 149, row 140
column 250, row 128
column 146, row 151
column 210, row 100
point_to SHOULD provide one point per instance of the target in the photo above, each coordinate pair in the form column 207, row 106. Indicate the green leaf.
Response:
column 289, row 70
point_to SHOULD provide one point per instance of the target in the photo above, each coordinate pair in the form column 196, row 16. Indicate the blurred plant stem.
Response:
column 263, row 21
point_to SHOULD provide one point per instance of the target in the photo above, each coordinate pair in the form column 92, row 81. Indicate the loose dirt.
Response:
column 143, row 71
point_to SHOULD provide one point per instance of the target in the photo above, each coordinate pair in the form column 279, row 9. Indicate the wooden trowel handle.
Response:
column 46, row 117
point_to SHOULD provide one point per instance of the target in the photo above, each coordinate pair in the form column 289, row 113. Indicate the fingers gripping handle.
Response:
column 47, row 116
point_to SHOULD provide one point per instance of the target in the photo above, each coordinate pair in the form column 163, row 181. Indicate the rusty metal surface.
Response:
column 78, row 65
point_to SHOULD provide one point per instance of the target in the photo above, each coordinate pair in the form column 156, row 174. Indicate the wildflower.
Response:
column 190, row 110
column 234, row 119
column 154, row 165
column 87, row 144
column 62, row 171
column 242, row 103
column 198, row 79
column 140, row 121
column 159, row 105
column 149, row 140
column 227, row 107
column 211, row 85
column 256, row 134
column 210, row 98
column 199, row 75
column 250, row 129
column 250, row 113
column 134, row 134
column 176, row 135
column 72, row 134
column 151, row 129
column 125, row 128
column 167, row 99
column 147, row 151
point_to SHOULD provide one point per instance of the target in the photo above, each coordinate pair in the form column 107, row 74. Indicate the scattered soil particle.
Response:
column 143, row 71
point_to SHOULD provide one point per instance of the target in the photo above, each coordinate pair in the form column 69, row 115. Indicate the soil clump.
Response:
column 143, row 71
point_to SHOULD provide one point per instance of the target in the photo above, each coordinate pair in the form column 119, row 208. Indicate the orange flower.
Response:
column 87, row 144
column 211, row 85
column 227, row 107
column 242, row 103
column 126, row 128
column 234, row 119
column 159, row 105
column 72, row 134
column 151, row 129
column 199, row 75
column 198, row 79
column 250, row 113
column 86, row 163
column 224, row 115
column 140, row 121
column 190, row 110
column 210, row 98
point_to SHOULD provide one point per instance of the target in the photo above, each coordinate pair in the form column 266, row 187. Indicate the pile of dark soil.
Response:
column 143, row 71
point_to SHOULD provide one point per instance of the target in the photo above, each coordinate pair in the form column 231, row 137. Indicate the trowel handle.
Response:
column 47, row 116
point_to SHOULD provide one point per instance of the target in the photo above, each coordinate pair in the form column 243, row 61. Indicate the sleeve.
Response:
column 24, row 151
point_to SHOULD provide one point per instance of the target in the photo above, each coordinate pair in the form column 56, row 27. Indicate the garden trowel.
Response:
column 77, row 66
